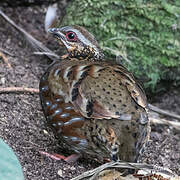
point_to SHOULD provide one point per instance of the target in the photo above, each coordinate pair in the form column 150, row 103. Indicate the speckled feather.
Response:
column 97, row 108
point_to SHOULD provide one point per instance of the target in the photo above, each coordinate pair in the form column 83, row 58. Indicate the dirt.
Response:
column 22, row 124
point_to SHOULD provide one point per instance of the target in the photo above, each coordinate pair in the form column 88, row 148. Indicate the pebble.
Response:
column 60, row 172
column 3, row 80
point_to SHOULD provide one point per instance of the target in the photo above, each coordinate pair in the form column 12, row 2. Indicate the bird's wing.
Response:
column 103, row 91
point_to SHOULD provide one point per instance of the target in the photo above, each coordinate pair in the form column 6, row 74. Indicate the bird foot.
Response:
column 70, row 159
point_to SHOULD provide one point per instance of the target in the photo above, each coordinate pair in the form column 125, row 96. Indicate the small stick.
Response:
column 151, row 107
column 5, row 59
column 121, row 164
column 161, row 111
column 34, row 42
column 174, row 124
column 117, row 53
column 6, row 52
column 50, row 155
column 46, row 53
column 18, row 89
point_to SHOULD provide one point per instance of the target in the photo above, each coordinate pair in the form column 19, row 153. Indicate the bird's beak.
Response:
column 57, row 33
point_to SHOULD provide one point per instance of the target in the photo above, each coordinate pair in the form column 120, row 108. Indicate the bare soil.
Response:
column 22, row 124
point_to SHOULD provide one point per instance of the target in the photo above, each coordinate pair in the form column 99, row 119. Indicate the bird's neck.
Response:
column 87, row 53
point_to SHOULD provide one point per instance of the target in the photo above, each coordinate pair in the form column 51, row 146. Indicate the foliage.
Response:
column 10, row 167
column 144, row 34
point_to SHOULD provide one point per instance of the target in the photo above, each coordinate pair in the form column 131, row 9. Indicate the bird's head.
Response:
column 78, row 42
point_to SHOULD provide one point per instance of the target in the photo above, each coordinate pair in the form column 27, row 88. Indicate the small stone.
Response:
column 45, row 132
column 73, row 168
column 60, row 172
column 3, row 80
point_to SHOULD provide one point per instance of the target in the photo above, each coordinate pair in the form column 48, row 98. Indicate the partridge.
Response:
column 95, row 106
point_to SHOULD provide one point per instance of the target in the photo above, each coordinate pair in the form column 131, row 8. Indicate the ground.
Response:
column 22, row 124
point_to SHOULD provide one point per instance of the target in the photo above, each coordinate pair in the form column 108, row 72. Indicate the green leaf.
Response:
column 10, row 168
column 147, row 31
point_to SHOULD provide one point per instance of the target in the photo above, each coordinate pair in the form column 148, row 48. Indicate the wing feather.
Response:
column 98, row 94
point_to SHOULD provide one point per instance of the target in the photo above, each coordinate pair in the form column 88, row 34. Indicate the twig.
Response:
column 18, row 89
column 34, row 42
column 121, row 164
column 5, row 59
column 46, row 53
column 161, row 111
column 127, row 37
column 6, row 52
column 52, row 156
column 118, row 53
column 151, row 107
column 174, row 124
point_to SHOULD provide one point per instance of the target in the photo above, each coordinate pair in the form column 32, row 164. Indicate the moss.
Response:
column 145, row 35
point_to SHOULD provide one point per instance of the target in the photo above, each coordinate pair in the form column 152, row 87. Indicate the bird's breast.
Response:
column 58, row 111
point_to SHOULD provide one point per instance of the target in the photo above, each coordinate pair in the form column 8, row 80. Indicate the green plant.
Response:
column 10, row 167
column 144, row 34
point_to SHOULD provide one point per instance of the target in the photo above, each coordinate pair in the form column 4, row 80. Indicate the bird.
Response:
column 96, row 106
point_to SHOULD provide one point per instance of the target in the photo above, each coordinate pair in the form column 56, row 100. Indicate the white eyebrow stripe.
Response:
column 85, row 40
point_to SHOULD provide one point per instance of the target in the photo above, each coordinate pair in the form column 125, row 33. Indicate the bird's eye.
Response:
column 71, row 36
